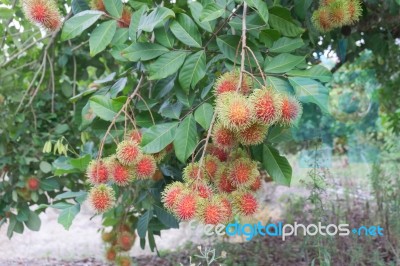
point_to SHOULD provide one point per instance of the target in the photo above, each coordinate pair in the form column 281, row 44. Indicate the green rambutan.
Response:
column 237, row 154
column 252, row 135
column 97, row 172
column 321, row 19
column 102, row 197
column 339, row 13
column 355, row 10
column 267, row 105
column 291, row 110
column 229, row 82
column 108, row 236
column 124, row 261
column 128, row 152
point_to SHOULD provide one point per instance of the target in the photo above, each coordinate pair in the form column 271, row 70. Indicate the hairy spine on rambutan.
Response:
column 339, row 13
column 210, row 211
column 102, row 198
column 223, row 137
column 126, row 240
column 128, row 152
column 253, row 135
column 223, row 180
column 134, row 135
column 191, row 173
column 45, row 13
column 245, row 203
column 111, row 254
column 171, row 193
column 202, row 188
column 291, row 110
column 237, row 154
column 234, row 110
column 120, row 174
column 226, row 207
column 321, row 19
column 211, row 164
column 256, row 185
column 97, row 172
column 267, row 105
column 243, row 172
column 229, row 82
column 32, row 183
column 145, row 167
column 186, row 206
column 218, row 152
column 125, row 19
column 355, row 10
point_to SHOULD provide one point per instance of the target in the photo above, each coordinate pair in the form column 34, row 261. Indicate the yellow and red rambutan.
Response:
column 171, row 193
column 124, row 261
column 102, row 197
column 339, row 13
column 211, row 164
column 111, row 254
column 97, row 172
column 253, row 135
column 134, row 135
column 44, row 13
column 291, row 110
column 126, row 240
column 237, row 154
column 229, row 82
column 244, row 203
column 243, row 172
column 223, row 181
column 325, row 2
column 203, row 190
column 267, row 105
column 223, row 137
column 145, row 167
column 355, row 10
column 226, row 207
column 128, row 152
column 120, row 174
column 256, row 185
column 210, row 211
column 32, row 183
column 217, row 152
column 321, row 19
column 235, row 111
column 98, row 5
column 159, row 156
column 125, row 19
column 186, row 206
column 192, row 172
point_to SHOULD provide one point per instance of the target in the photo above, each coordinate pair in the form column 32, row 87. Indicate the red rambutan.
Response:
column 145, row 167
column 97, row 172
column 45, row 13
column 102, row 198
column 125, row 241
column 134, row 135
column 230, row 81
column 111, row 254
column 223, row 181
column 234, row 110
column 244, row 203
column 203, row 190
column 256, row 185
column 211, row 164
column 191, row 173
column 291, row 110
column 125, row 19
column 243, row 172
column 186, row 206
column 171, row 194
column 223, row 137
column 252, row 135
column 32, row 183
column 226, row 207
column 118, row 173
column 217, row 152
column 210, row 211
column 128, row 152
column 267, row 105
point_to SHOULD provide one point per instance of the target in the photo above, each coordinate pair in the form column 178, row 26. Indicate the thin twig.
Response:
column 243, row 53
column 53, row 89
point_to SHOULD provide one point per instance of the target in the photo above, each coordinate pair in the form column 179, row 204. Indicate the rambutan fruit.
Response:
column 191, row 173
column 237, row 154
column 229, row 82
column 124, row 228
column 171, row 193
column 102, row 197
column 252, row 135
column 210, row 211
column 321, row 19
column 145, row 167
column 291, row 110
column 134, row 135
column 339, row 13
column 203, row 190
column 125, row 19
column 97, row 172
column 125, row 241
column 234, row 110
column 111, row 254
column 128, row 152
column 223, row 181
column 211, row 164
column 245, row 203
column 223, row 137
column 157, row 176
column 243, row 172
column 98, row 5
column 217, row 152
column 159, row 156
column 355, row 10
column 226, row 207
column 45, row 13
column 186, row 206
column 267, row 105
column 120, row 174
column 124, row 261
column 32, row 183
column 108, row 236
column 256, row 185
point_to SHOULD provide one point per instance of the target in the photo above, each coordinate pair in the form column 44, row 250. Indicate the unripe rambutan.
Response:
column 97, row 172
column 210, row 211
column 355, row 10
column 32, row 183
column 102, row 198
column 128, row 152
column 252, row 135
column 134, row 135
column 321, row 19
column 234, row 110
column 191, row 173
column 211, row 164
column 230, row 81
column 218, row 152
column 171, row 193
column 291, row 110
column 145, row 167
column 243, row 172
column 203, row 190
column 111, row 254
column 223, row 181
column 186, row 206
column 97, row 5
column 107, row 236
column 124, row 261
column 118, row 173
column 125, row 18
column 125, row 241
column 256, row 185
column 45, row 13
column 223, row 137
column 267, row 105
column 339, row 13
column 244, row 203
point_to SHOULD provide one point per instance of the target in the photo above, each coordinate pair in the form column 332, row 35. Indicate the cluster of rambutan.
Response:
column 44, row 13
column 125, row 19
column 224, row 183
column 336, row 13
column 119, row 242
column 128, row 164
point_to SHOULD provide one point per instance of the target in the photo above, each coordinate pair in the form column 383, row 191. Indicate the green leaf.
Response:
column 186, row 31
column 282, row 63
column 61, row 205
column 135, row 21
column 281, row 20
column 311, row 91
column 315, row 72
column 279, row 134
column 285, row 45
column 193, row 70
column 78, row 23
column 143, row 51
column 166, row 65
column 120, row 37
column 171, row 110
column 45, row 167
column 81, row 163
column 155, row 18
column 261, row 8
column 301, row 8
column 164, row 36
column 49, row 184
column 23, row 214
column 79, row 6
column 33, row 222
column 203, row 115
column 196, row 9
column 102, row 36
column 158, row 137
column 68, row 215
column 279, row 84
column 228, row 44
column 118, row 86
column 211, row 11
column 143, row 223
column 165, row 217
column 104, row 107
column 114, row 7
column 70, row 194
column 276, row 165
column 186, row 139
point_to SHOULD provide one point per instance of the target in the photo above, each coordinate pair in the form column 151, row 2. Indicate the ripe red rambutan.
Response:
column 234, row 110
column 134, row 135
column 98, row 5
column 223, row 181
column 97, row 172
column 125, row 241
column 171, row 194
column 111, row 254
column 211, row 164
column 223, row 137
column 256, row 185
column 252, row 135
column 217, row 152
column 32, row 183
column 186, row 206
column 226, row 207
column 321, row 19
column 128, row 152
column 45, row 13
column 267, row 105
column 191, row 172
column 243, row 172
column 210, row 211
column 339, row 13
column 230, row 81
column 203, row 190
column 244, row 203
column 291, row 110
column 118, row 173
column 125, row 19
column 102, row 197
column 145, row 167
